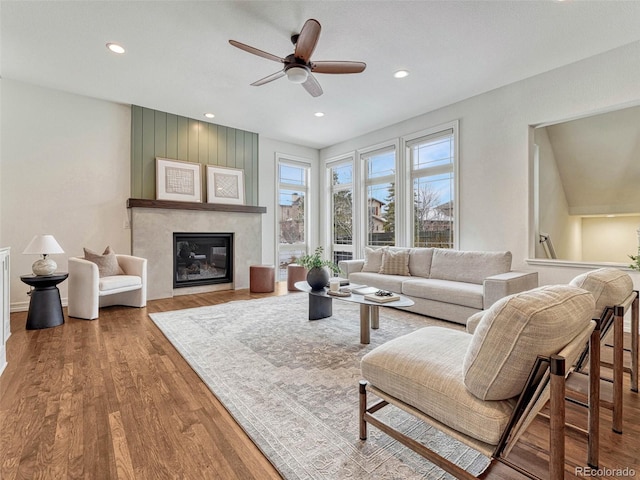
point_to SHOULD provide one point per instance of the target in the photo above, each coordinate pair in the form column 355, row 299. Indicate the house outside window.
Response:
column 380, row 179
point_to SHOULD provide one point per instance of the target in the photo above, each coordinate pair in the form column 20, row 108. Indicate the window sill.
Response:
column 573, row 263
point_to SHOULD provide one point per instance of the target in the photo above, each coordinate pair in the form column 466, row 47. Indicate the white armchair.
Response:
column 88, row 291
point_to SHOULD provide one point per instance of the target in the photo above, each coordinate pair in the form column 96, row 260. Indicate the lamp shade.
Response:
column 43, row 245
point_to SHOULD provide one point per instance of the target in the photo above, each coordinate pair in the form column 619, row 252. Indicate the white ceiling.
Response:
column 178, row 58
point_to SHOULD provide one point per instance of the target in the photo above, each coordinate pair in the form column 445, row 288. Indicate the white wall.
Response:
column 495, row 172
column 268, row 148
column 553, row 209
column 65, row 171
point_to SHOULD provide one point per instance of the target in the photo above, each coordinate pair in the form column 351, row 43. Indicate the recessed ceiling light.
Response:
column 209, row 115
column 401, row 74
column 319, row 114
column 115, row 48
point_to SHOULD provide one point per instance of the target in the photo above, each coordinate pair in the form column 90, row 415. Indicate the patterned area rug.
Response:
column 292, row 384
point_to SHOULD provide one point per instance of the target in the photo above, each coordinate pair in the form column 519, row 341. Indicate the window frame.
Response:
column 306, row 165
column 331, row 190
column 364, row 155
column 408, row 142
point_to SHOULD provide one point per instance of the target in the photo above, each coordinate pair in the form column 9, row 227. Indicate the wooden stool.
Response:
column 262, row 278
column 295, row 273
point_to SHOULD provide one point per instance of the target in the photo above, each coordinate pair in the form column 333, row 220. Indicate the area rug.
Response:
column 292, row 384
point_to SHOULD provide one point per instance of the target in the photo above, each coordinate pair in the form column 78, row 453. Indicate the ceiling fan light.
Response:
column 297, row 74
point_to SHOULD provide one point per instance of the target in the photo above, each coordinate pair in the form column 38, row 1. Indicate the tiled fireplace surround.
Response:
column 153, row 223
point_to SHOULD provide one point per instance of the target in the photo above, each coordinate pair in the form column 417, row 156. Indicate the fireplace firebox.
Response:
column 202, row 259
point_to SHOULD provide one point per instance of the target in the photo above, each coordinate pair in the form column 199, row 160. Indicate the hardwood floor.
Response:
column 112, row 398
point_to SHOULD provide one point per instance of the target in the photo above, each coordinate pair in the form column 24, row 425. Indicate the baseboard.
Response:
column 24, row 306
column 19, row 306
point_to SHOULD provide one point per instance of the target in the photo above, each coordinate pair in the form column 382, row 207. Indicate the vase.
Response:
column 317, row 278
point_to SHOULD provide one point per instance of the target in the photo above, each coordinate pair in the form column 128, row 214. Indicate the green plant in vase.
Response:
column 317, row 274
column 636, row 261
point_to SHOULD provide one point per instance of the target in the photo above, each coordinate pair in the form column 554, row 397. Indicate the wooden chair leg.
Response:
column 593, row 450
column 363, row 409
column 634, row 344
column 557, row 418
column 618, row 367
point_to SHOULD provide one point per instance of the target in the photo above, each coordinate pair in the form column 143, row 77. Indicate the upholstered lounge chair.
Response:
column 612, row 290
column 88, row 291
column 484, row 389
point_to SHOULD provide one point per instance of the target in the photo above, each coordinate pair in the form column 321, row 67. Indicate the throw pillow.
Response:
column 395, row 262
column 372, row 259
column 107, row 262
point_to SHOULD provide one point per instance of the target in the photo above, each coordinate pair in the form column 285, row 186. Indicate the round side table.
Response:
column 45, row 308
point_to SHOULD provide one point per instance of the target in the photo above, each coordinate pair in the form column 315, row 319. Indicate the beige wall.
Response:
column 65, row 171
column 610, row 239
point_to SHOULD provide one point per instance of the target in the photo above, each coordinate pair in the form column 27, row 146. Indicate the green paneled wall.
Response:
column 159, row 134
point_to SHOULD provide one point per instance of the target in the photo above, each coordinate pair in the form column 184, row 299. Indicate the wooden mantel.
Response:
column 210, row 207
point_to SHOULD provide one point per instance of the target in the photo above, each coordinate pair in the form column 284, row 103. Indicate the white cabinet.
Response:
column 4, row 306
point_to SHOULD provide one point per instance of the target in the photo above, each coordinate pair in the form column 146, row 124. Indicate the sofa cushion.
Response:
column 385, row 282
column 395, row 262
column 420, row 262
column 460, row 293
column 372, row 259
column 424, row 370
column 468, row 266
column 515, row 330
column 117, row 282
column 609, row 287
column 107, row 262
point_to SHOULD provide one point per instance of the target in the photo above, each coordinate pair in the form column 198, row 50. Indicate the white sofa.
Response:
column 447, row 284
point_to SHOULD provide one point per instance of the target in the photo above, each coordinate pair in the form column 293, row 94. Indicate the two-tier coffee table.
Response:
column 320, row 306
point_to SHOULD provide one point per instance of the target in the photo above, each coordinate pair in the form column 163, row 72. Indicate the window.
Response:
column 341, row 187
column 293, row 181
column 402, row 192
column 432, row 176
column 380, row 179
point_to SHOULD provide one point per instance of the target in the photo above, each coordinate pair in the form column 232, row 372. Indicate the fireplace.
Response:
column 202, row 259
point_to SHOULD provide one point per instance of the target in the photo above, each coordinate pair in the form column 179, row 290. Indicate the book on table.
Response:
column 364, row 290
column 372, row 297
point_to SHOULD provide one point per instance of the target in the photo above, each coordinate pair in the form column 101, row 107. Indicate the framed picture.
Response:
column 177, row 180
column 225, row 185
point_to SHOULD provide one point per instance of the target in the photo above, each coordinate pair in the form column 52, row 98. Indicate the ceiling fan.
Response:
column 298, row 66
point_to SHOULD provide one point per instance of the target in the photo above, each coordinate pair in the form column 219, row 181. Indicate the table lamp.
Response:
column 43, row 245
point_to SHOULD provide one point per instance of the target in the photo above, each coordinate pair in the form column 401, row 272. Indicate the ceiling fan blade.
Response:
column 312, row 86
column 307, row 39
column 255, row 51
column 270, row 78
column 338, row 67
